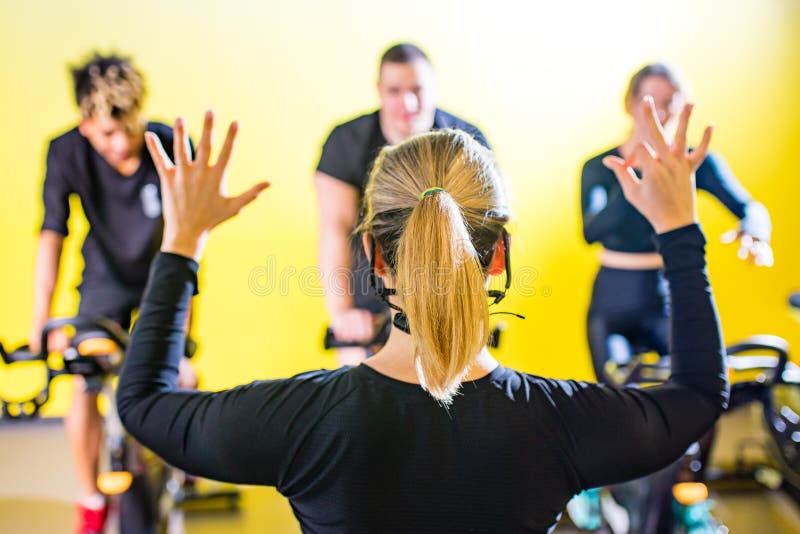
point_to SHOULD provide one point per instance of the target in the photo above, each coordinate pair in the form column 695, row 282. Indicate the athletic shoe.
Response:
column 584, row 510
column 91, row 521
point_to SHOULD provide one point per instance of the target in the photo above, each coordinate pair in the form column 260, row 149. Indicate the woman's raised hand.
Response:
column 193, row 191
column 665, row 194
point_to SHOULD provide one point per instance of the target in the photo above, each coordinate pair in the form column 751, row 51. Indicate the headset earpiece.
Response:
column 400, row 322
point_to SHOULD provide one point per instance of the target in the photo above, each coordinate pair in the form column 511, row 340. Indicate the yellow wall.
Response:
column 545, row 83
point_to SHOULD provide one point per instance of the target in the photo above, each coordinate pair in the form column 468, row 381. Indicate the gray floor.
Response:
column 37, row 488
column 263, row 510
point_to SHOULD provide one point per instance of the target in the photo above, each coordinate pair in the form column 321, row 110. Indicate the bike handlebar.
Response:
column 639, row 372
column 21, row 354
column 84, row 323
column 74, row 363
column 774, row 344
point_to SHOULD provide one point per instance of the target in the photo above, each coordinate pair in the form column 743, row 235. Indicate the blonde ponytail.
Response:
column 441, row 286
column 436, row 206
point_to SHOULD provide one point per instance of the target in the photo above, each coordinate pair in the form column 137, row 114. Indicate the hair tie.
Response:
column 430, row 191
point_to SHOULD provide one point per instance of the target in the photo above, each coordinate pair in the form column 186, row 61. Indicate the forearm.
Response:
column 338, row 203
column 148, row 403
column 698, row 357
column 157, row 342
column 597, row 224
column 45, row 276
column 216, row 435
column 651, row 427
column 335, row 269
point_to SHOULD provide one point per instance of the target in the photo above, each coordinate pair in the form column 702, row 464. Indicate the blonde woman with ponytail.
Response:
column 431, row 434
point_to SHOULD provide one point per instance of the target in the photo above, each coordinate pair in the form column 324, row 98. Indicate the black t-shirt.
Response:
column 356, row 451
column 614, row 222
column 351, row 147
column 124, row 212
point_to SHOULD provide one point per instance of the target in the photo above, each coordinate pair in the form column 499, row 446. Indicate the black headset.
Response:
column 400, row 320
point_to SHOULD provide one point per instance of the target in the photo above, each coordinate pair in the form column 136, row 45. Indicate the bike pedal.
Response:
column 689, row 493
column 114, row 482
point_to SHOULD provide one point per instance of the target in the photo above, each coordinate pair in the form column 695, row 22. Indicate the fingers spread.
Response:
column 679, row 145
column 699, row 154
column 227, row 147
column 187, row 148
column 206, row 139
column 237, row 203
column 158, row 154
column 745, row 246
column 764, row 256
column 645, row 156
column 625, row 175
column 180, row 143
column 654, row 133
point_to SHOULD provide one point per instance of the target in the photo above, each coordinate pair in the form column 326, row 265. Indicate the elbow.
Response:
column 713, row 392
column 718, row 391
column 719, row 402
column 589, row 235
column 718, row 397
column 127, row 398
column 124, row 404
column 721, row 392
column 724, row 398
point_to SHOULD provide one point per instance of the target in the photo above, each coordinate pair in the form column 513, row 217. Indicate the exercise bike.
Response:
column 762, row 378
column 145, row 494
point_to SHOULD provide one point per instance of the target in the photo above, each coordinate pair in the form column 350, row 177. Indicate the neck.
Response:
column 629, row 144
column 128, row 166
column 391, row 135
column 396, row 360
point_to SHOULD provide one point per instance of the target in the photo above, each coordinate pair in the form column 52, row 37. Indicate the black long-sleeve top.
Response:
column 356, row 451
column 610, row 219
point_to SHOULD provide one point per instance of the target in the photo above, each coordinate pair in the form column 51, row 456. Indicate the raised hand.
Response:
column 751, row 249
column 665, row 194
column 193, row 191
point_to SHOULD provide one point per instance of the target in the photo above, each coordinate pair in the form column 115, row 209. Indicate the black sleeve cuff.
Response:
column 175, row 265
column 682, row 248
